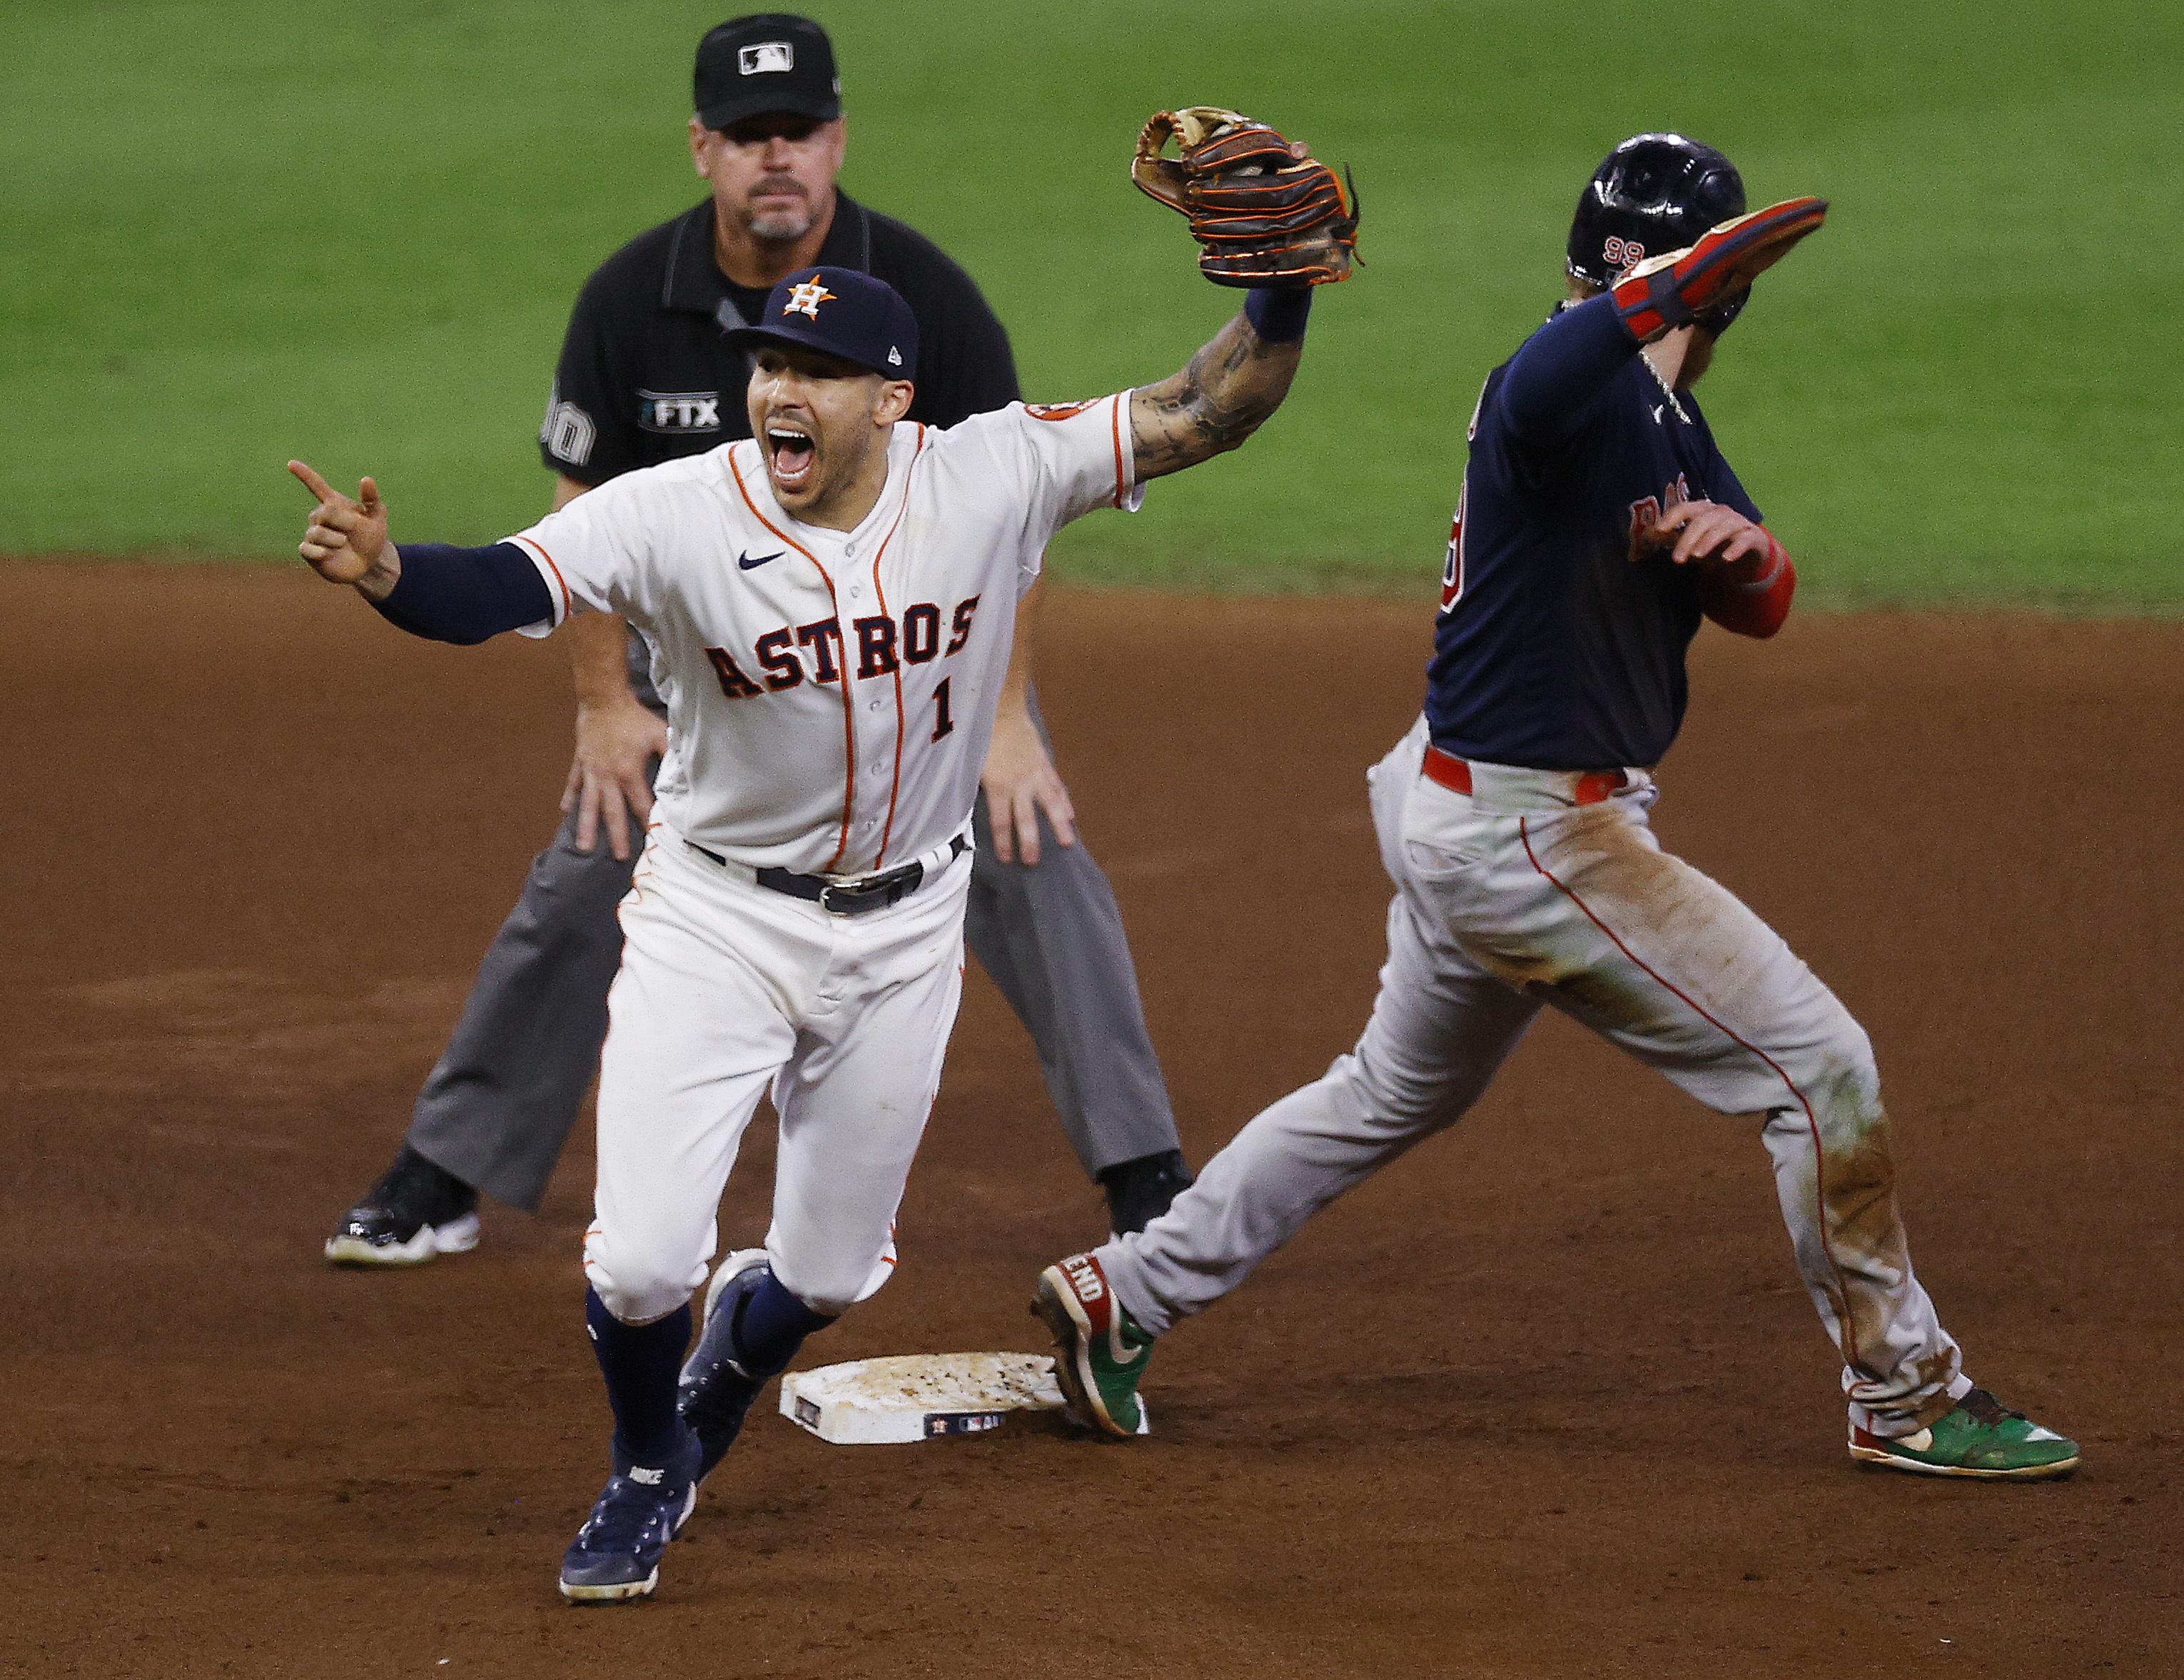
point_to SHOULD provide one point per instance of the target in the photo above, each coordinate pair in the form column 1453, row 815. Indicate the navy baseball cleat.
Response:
column 717, row 1389
column 417, row 1210
column 615, row 1554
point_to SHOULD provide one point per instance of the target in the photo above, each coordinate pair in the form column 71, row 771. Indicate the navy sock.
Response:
column 771, row 1326
column 641, row 1363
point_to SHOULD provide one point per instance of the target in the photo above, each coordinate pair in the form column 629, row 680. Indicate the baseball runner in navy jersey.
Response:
column 1596, row 525
column 645, row 376
column 830, row 608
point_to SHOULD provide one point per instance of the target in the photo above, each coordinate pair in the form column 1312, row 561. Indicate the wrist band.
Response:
column 1278, row 312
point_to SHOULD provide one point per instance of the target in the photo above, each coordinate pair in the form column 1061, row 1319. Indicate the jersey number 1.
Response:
column 943, row 723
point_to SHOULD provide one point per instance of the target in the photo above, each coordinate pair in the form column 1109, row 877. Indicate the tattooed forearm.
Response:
column 1217, row 402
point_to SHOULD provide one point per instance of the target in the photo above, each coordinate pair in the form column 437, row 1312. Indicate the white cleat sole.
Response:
column 457, row 1237
column 617, row 1593
column 1888, row 1460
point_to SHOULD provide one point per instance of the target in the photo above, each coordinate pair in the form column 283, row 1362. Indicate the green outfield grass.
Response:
column 239, row 231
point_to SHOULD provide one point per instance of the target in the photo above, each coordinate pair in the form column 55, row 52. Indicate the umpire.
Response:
column 644, row 377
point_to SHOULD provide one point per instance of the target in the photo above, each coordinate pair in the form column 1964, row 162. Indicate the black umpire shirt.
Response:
column 644, row 377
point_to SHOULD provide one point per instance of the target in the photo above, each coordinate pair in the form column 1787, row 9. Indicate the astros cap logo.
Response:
column 804, row 298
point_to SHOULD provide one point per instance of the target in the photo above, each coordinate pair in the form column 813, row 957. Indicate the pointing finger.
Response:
column 311, row 482
column 368, row 494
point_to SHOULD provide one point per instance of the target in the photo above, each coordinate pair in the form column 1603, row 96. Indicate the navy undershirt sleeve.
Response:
column 1278, row 313
column 465, row 595
column 1562, row 367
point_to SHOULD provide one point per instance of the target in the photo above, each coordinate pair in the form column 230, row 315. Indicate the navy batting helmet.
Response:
column 1655, row 193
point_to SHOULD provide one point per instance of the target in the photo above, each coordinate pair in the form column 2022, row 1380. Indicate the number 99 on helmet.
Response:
column 1653, row 194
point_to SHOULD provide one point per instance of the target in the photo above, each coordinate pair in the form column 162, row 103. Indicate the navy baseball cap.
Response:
column 766, row 62
column 844, row 314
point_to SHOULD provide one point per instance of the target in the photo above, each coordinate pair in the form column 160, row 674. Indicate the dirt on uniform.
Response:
column 1545, row 1398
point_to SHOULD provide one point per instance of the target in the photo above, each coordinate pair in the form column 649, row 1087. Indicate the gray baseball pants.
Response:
column 498, row 1107
column 1514, row 896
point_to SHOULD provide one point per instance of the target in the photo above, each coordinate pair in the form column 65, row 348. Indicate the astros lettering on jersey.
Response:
column 826, row 689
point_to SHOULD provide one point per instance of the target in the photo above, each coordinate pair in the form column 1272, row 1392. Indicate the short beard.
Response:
column 781, row 228
column 1698, row 357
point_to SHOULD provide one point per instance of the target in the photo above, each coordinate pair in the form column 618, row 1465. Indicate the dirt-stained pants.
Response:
column 1514, row 896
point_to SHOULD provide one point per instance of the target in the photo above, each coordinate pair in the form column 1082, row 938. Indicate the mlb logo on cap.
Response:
column 766, row 65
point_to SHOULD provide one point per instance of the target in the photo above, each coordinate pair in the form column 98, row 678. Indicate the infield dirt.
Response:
column 1543, row 1399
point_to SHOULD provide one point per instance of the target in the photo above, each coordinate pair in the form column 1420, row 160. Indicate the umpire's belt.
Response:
column 1578, row 787
column 855, row 894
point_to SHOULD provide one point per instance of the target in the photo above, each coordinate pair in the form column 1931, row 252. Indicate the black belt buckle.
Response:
column 874, row 893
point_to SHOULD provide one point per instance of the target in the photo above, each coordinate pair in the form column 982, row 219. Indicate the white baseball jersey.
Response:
column 831, row 693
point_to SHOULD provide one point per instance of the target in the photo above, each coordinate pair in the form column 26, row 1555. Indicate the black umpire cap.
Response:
column 841, row 312
column 769, row 62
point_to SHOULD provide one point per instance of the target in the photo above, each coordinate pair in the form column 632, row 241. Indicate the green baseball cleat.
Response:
column 1100, row 1354
column 1981, row 1437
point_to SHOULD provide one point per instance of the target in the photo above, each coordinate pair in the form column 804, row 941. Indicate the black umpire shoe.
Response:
column 1138, row 1191
column 416, row 1211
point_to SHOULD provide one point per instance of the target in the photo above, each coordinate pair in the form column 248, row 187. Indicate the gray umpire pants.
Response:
column 498, row 1107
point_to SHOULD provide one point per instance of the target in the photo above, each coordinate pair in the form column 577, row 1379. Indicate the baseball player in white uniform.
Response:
column 830, row 602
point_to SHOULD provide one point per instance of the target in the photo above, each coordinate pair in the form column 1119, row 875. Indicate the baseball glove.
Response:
column 1263, row 210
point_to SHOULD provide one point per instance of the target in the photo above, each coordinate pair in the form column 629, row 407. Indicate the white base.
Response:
column 914, row 1397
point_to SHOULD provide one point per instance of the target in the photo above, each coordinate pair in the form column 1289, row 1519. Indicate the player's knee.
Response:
column 1841, row 1080
column 1403, row 1100
column 639, row 1283
column 831, row 1287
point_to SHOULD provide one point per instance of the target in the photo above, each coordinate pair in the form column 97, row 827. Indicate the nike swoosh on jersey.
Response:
column 748, row 561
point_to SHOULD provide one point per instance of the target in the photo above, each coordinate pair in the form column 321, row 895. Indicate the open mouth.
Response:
column 790, row 456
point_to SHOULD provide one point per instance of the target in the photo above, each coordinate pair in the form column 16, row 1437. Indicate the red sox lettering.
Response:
column 1647, row 509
